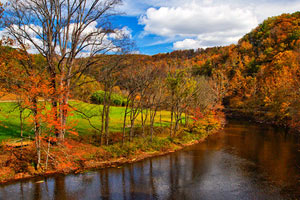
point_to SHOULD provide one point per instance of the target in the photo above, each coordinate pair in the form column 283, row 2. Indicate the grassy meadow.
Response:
column 10, row 121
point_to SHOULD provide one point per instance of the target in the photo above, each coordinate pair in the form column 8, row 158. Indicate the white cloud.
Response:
column 199, row 23
column 270, row 9
column 204, row 23
column 121, row 33
column 103, row 41
column 192, row 20
column 31, row 30
column 262, row 8
column 207, row 40
column 188, row 44
column 199, row 26
column 135, row 52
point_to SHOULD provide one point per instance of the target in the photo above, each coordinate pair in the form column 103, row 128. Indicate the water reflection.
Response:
column 243, row 162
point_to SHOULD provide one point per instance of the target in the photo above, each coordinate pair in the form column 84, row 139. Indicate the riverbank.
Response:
column 76, row 157
column 244, row 153
column 260, row 117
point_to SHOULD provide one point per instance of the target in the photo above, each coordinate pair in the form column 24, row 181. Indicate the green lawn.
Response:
column 10, row 123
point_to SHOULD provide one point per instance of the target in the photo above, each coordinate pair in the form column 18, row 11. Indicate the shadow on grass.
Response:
column 11, row 131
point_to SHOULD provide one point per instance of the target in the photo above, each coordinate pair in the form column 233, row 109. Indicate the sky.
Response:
column 160, row 26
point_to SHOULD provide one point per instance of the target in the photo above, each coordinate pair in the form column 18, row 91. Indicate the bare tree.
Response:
column 107, row 73
column 130, row 80
column 136, row 79
column 62, row 31
column 156, row 100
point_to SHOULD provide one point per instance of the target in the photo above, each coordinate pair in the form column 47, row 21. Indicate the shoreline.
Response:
column 258, row 119
column 93, row 165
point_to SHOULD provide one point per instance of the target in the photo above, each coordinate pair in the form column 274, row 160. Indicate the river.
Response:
column 243, row 161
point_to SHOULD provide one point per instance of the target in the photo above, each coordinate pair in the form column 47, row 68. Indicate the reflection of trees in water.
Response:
column 124, row 184
column 186, row 174
column 47, row 189
column 60, row 188
column 174, row 174
column 151, row 179
column 272, row 151
column 21, row 190
column 132, row 182
column 104, row 185
column 37, row 192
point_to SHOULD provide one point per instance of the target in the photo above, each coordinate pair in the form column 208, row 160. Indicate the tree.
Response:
column 180, row 91
column 20, row 76
column 156, row 99
column 107, row 74
column 62, row 31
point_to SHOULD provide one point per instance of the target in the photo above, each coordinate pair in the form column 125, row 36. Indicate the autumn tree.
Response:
column 136, row 79
column 181, row 88
column 62, row 31
column 106, row 73
column 21, row 76
column 156, row 99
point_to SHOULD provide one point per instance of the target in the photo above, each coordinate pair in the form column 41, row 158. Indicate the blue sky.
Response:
column 146, row 44
column 167, row 25
column 160, row 26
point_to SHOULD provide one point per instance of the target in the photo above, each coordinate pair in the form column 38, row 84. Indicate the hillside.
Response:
column 260, row 73
column 257, row 77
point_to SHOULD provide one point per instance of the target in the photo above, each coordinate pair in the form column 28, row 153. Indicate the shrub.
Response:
column 189, row 137
column 116, row 99
column 115, row 150
column 204, row 124
column 159, row 144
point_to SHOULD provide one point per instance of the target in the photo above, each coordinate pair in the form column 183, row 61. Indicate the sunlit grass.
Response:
column 116, row 117
column 10, row 121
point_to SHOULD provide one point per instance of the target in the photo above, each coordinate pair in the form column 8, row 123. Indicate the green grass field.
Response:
column 10, row 122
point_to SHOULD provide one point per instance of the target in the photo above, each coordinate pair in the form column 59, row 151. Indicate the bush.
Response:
column 189, row 137
column 159, row 144
column 115, row 150
column 116, row 99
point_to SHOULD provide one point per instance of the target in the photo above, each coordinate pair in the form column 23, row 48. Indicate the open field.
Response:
column 10, row 122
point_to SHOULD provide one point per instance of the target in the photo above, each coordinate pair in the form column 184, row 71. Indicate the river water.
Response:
column 243, row 161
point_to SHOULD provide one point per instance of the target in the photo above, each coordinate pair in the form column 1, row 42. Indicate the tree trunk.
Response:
column 186, row 118
column 178, row 119
column 103, row 114
column 131, row 129
column 54, row 102
column 107, row 123
column 133, row 116
column 124, row 122
column 144, row 120
column 160, row 120
column 171, row 126
column 64, row 115
column 21, row 128
column 37, row 132
column 48, row 152
column 108, row 103
column 172, row 114
column 152, row 119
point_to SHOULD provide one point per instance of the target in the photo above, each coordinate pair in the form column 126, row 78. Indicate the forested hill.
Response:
column 261, row 74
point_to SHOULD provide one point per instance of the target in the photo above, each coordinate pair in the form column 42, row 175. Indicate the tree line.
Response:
column 52, row 53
